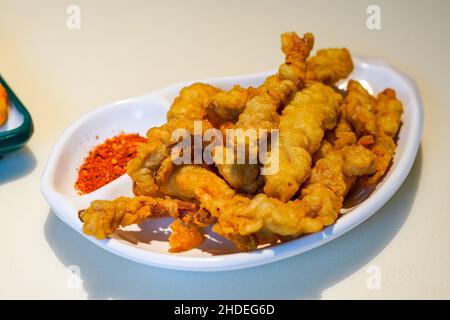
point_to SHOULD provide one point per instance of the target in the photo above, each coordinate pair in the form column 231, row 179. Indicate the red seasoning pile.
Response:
column 107, row 161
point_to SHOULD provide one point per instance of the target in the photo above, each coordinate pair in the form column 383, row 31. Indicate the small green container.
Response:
column 14, row 139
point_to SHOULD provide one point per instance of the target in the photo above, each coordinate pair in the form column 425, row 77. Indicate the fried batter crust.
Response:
column 103, row 217
column 261, row 111
column 329, row 65
column 153, row 164
column 184, row 236
column 359, row 109
column 312, row 110
column 388, row 119
column 247, row 221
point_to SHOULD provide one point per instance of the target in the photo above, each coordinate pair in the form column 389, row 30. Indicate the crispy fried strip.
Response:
column 103, row 217
column 191, row 102
column 329, row 65
column 228, row 105
column 297, row 51
column 359, row 109
column 388, row 119
column 302, row 125
column 248, row 221
column 344, row 134
column 389, row 112
column 153, row 163
column 319, row 205
column 261, row 111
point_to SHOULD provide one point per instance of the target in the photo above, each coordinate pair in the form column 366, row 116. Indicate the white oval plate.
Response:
column 215, row 254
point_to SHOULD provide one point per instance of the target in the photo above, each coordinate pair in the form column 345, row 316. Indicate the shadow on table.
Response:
column 16, row 165
column 303, row 276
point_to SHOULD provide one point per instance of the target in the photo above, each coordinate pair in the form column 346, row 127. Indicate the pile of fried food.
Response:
column 328, row 141
column 3, row 105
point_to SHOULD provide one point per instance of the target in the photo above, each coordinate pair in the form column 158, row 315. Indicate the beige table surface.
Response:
column 127, row 48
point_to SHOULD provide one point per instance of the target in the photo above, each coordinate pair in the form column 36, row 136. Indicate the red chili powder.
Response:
column 107, row 161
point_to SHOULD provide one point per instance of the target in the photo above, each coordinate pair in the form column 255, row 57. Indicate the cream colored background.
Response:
column 127, row 48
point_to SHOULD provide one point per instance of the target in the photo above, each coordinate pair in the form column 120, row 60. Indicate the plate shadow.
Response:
column 16, row 165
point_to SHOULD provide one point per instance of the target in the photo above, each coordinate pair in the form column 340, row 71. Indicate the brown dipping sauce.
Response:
column 357, row 194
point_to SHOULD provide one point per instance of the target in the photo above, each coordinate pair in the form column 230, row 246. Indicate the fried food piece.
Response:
column 359, row 109
column 251, row 221
column 389, row 111
column 322, row 197
column 302, row 125
column 384, row 148
column 366, row 140
column 242, row 219
column 242, row 177
column 147, row 168
column 226, row 106
column 261, row 111
column 388, row 119
column 277, row 90
column 245, row 221
column 329, row 65
column 103, row 217
column 357, row 160
column 153, row 162
column 3, row 105
column 291, row 76
column 343, row 133
column 191, row 102
column 184, row 236
column 331, row 179
column 296, row 50
column 194, row 183
column 325, row 148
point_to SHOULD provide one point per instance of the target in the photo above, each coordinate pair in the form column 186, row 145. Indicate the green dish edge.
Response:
column 14, row 139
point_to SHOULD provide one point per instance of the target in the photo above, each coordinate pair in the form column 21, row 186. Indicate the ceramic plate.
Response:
column 215, row 254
